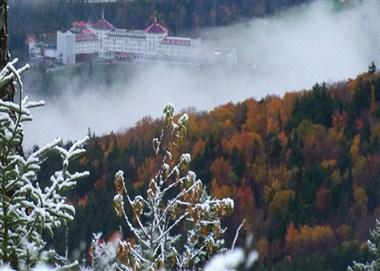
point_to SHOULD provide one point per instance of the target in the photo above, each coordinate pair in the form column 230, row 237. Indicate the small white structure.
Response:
column 32, row 46
column 50, row 52
column 66, row 47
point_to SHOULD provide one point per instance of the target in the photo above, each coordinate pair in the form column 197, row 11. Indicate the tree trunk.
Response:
column 7, row 91
column 6, row 94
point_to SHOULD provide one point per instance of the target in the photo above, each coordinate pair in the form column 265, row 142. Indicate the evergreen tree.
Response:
column 372, row 68
column 28, row 209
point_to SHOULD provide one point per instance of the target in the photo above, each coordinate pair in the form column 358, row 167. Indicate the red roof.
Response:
column 156, row 28
column 31, row 39
column 177, row 41
column 80, row 24
column 103, row 24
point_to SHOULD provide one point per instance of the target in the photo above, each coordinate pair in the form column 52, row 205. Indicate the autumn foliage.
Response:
column 302, row 169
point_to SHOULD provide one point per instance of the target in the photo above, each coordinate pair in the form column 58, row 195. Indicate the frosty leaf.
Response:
column 168, row 111
column 183, row 120
column 185, row 159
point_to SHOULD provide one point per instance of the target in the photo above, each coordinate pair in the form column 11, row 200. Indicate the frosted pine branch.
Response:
column 26, row 208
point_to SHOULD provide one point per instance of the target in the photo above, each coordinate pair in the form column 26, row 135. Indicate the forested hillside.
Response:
column 303, row 170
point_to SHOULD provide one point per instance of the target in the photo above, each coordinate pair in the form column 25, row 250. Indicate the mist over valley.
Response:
column 289, row 51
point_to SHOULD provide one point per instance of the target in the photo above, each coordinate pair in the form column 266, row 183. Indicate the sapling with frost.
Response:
column 176, row 225
column 27, row 210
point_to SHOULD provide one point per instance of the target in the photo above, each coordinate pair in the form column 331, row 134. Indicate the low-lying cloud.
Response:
column 290, row 51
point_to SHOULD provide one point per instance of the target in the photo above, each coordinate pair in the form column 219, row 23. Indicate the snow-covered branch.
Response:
column 27, row 209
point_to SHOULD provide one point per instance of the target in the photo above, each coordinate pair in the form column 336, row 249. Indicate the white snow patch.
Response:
column 226, row 262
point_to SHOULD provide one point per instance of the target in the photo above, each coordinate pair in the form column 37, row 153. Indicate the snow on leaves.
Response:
column 176, row 225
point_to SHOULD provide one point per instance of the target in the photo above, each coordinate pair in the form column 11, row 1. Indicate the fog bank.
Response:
column 290, row 51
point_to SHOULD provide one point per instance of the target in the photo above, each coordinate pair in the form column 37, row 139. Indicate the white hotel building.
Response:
column 101, row 39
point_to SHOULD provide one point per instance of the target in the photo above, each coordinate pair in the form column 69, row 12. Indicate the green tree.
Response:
column 372, row 68
column 317, row 106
